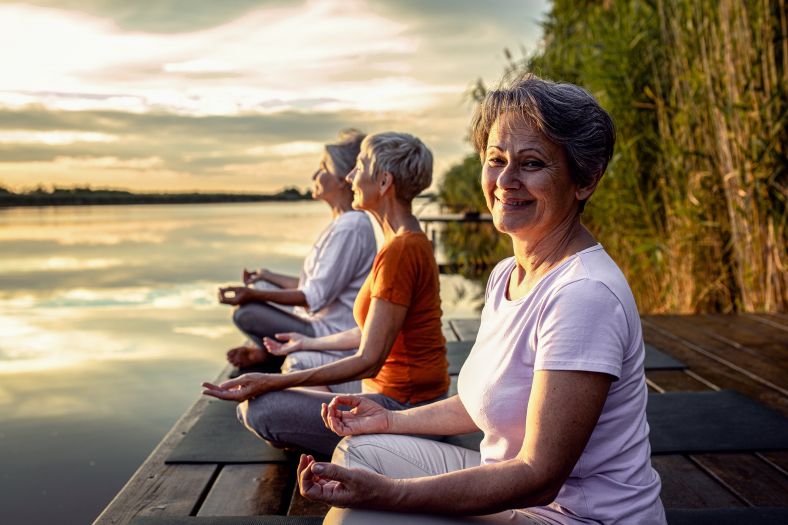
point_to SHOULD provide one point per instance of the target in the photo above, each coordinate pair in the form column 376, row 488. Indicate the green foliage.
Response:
column 460, row 189
column 693, row 205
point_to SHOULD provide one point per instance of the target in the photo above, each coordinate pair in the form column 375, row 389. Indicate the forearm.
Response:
column 486, row 489
column 280, row 280
column 346, row 369
column 289, row 297
column 444, row 418
column 347, row 340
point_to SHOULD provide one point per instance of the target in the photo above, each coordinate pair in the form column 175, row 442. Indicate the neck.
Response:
column 340, row 204
column 537, row 257
column 395, row 217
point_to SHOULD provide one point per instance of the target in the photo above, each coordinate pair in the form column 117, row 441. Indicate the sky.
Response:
column 237, row 95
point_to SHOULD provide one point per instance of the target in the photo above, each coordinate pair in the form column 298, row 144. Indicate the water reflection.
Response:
column 108, row 324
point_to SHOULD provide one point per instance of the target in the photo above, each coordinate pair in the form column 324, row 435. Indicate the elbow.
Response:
column 368, row 367
column 543, row 487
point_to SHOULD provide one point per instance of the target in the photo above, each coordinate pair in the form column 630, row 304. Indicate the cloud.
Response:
column 179, row 95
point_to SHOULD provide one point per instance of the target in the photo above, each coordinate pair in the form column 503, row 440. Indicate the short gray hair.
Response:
column 404, row 156
column 566, row 114
column 344, row 151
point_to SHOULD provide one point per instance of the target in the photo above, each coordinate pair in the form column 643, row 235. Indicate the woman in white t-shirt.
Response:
column 555, row 379
column 320, row 301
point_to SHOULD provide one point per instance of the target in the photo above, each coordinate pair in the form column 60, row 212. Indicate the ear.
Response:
column 584, row 192
column 385, row 182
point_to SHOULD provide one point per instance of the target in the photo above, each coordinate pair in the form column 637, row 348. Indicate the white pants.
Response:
column 411, row 457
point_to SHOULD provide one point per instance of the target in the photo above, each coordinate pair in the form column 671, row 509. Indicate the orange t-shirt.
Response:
column 405, row 273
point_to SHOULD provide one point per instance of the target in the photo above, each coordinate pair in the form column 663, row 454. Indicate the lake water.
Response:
column 108, row 324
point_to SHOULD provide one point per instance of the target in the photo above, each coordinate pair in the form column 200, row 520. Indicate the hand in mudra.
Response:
column 235, row 295
column 293, row 342
column 364, row 417
column 339, row 486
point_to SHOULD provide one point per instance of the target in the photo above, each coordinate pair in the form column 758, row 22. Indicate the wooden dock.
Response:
column 747, row 353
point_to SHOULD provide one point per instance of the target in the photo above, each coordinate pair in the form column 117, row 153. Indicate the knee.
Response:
column 300, row 361
column 359, row 451
column 243, row 318
column 265, row 415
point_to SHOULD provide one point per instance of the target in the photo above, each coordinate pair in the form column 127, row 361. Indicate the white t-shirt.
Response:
column 580, row 316
column 334, row 271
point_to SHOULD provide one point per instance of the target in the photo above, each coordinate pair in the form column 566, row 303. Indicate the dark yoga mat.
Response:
column 218, row 437
column 689, row 422
column 457, row 352
column 724, row 421
column 735, row 516
column 657, row 360
column 227, row 520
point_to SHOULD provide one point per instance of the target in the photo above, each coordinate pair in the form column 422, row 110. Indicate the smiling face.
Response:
column 326, row 183
column 527, row 182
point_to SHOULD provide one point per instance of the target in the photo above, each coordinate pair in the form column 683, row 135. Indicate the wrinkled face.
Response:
column 365, row 189
column 325, row 181
column 526, row 180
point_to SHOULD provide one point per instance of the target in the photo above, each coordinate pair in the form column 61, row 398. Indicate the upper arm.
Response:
column 582, row 335
column 563, row 410
column 343, row 256
column 381, row 327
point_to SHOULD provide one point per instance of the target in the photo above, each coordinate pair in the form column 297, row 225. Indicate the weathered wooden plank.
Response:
column 159, row 489
column 300, row 506
column 745, row 336
column 777, row 320
column 686, row 486
column 466, row 329
column 751, row 331
column 248, row 490
column 769, row 372
column 777, row 458
column 731, row 471
column 673, row 380
column 712, row 370
column 752, row 479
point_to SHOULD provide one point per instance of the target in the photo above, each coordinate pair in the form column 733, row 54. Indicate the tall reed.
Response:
column 693, row 206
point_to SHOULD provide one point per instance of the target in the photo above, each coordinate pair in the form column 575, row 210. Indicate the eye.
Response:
column 533, row 164
column 496, row 160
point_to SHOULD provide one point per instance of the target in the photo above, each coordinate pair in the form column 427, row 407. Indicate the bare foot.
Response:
column 246, row 356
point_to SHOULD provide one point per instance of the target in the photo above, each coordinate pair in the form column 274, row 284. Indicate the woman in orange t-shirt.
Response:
column 402, row 352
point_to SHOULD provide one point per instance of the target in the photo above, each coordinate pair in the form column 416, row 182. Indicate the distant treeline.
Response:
column 694, row 206
column 78, row 196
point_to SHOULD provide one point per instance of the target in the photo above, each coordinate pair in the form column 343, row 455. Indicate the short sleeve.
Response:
column 395, row 273
column 345, row 254
column 498, row 273
column 582, row 327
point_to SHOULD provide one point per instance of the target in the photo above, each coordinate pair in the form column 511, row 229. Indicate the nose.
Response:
column 507, row 178
column 350, row 175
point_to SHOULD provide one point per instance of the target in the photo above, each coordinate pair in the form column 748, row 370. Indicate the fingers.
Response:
column 307, row 485
column 211, row 386
column 324, row 414
column 331, row 472
column 285, row 336
column 346, row 400
column 270, row 344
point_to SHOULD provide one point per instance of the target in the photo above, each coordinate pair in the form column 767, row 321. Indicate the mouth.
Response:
column 513, row 203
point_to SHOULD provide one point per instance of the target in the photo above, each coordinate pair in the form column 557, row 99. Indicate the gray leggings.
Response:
column 292, row 417
column 259, row 320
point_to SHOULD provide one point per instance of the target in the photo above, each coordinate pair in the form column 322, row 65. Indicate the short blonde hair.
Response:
column 404, row 156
